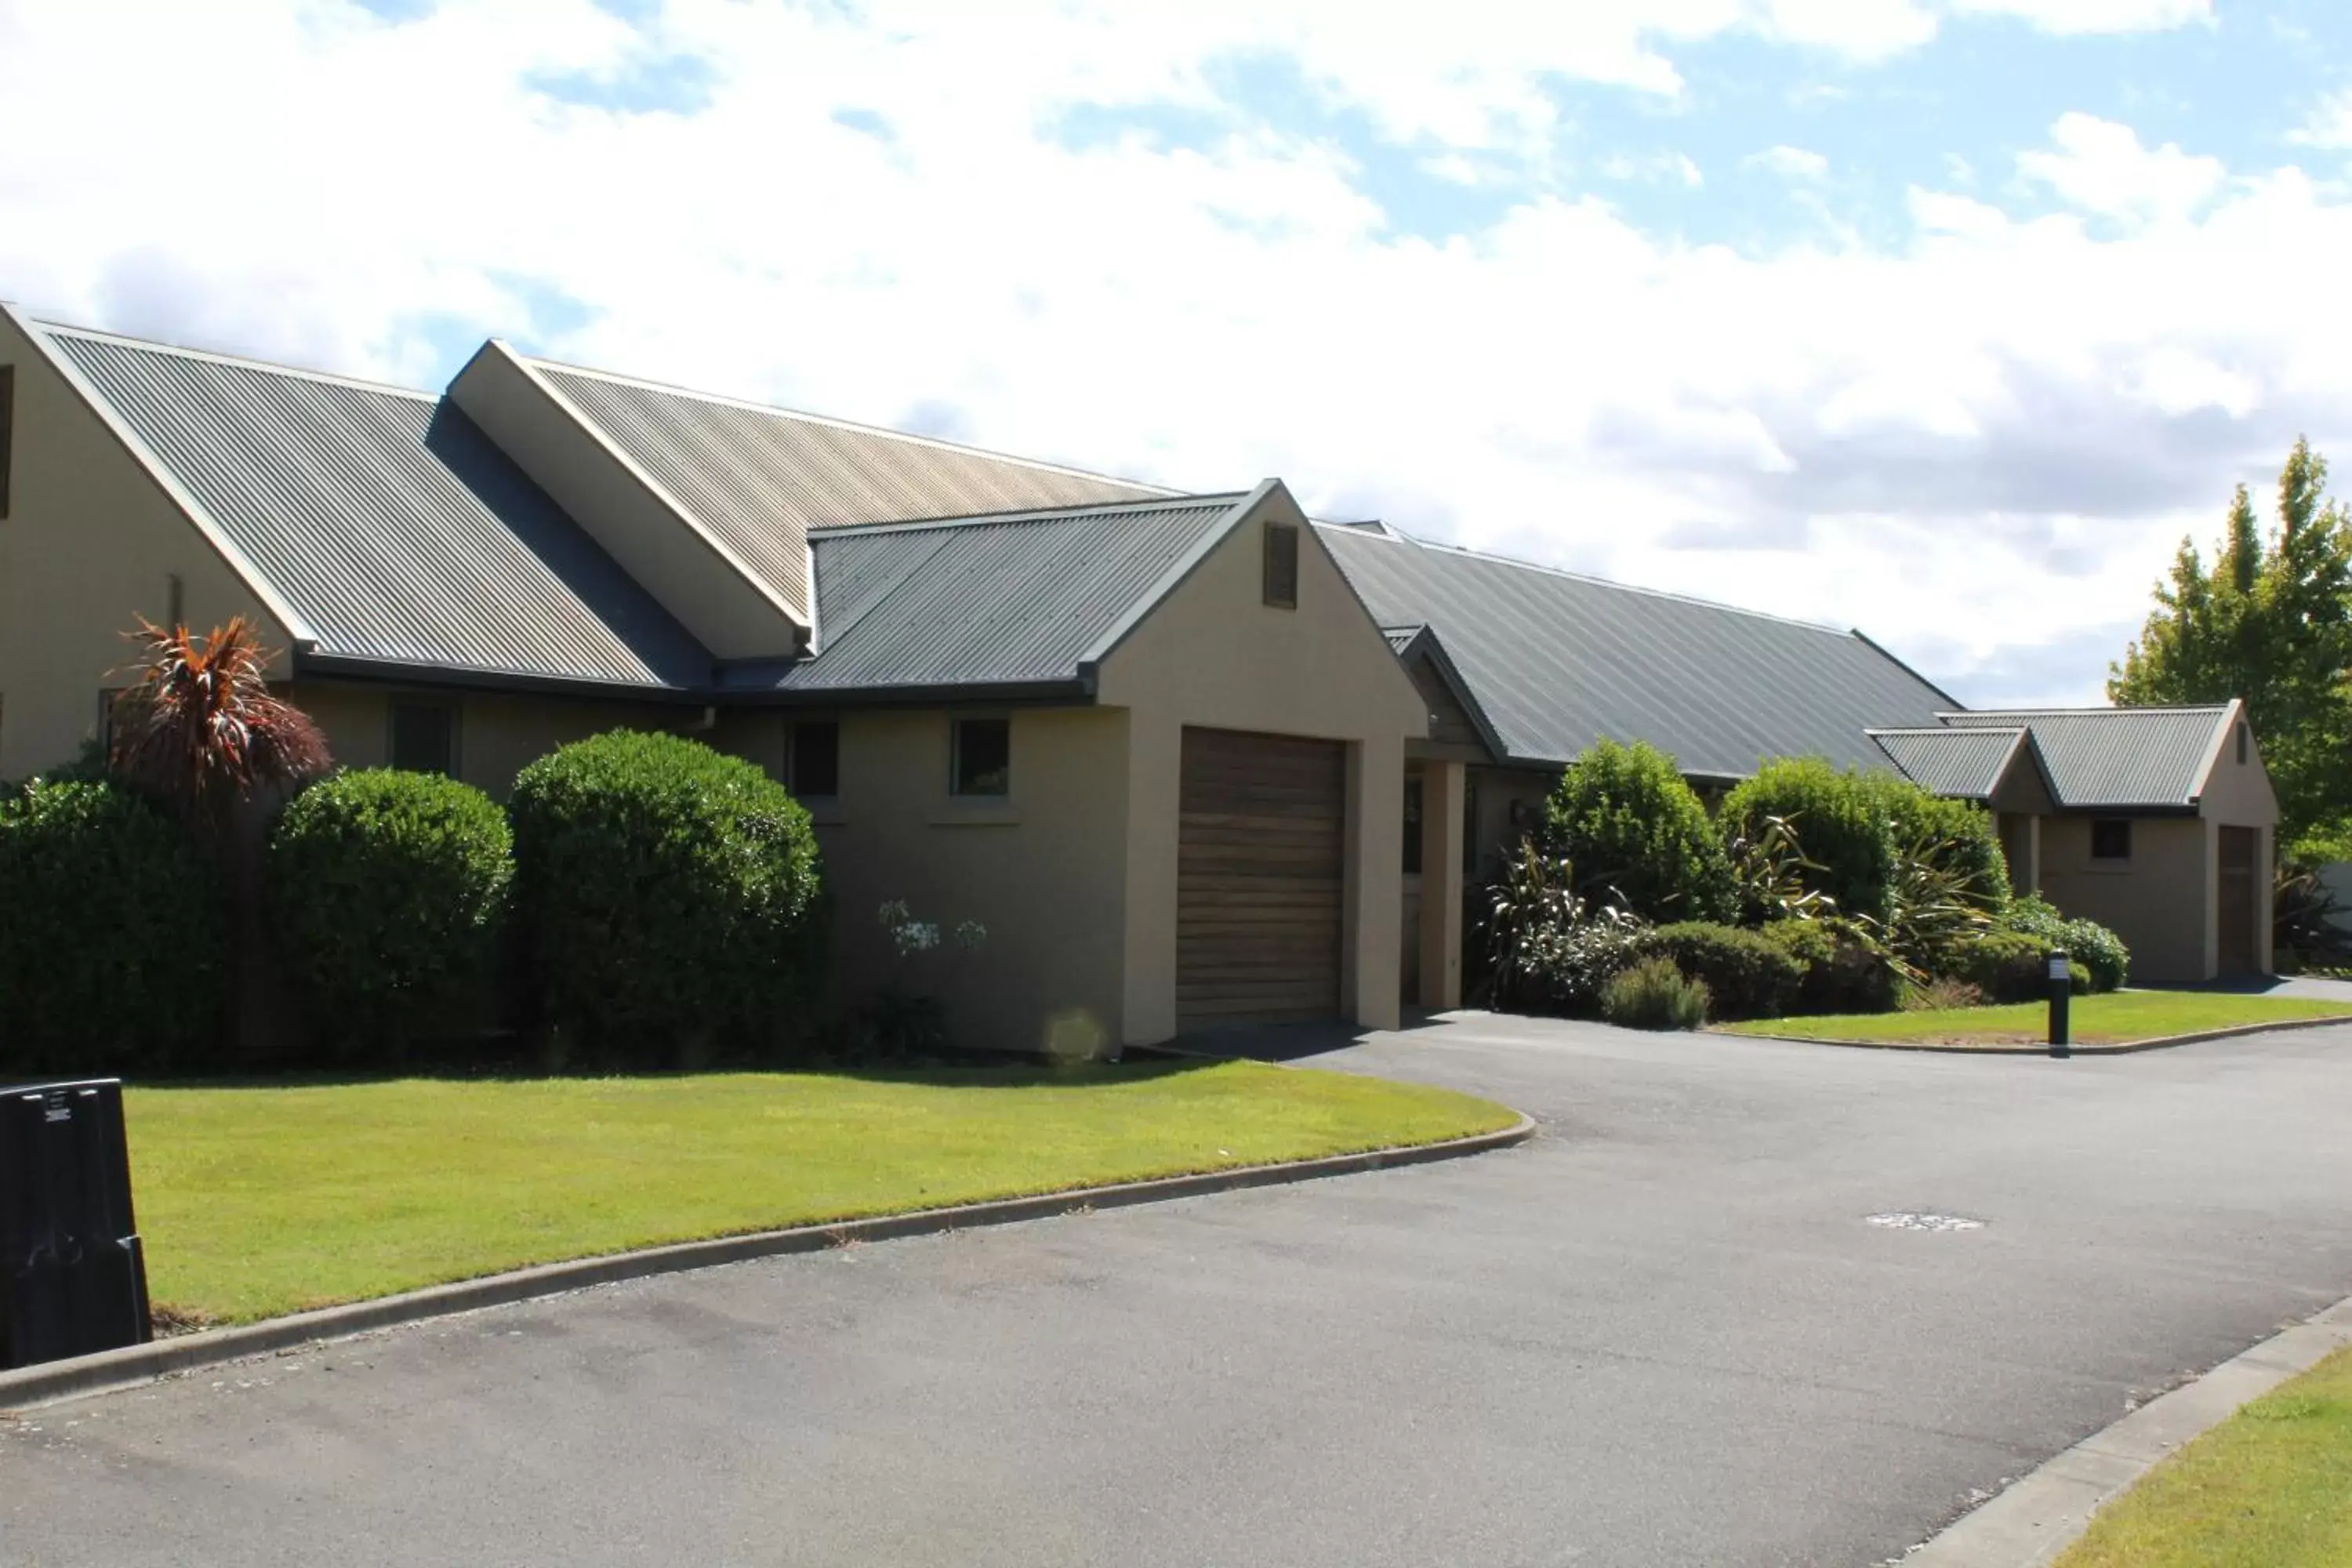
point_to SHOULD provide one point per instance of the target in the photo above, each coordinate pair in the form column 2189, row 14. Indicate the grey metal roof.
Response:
column 1004, row 600
column 2118, row 758
column 761, row 478
column 1966, row 763
column 386, row 520
column 1557, row 662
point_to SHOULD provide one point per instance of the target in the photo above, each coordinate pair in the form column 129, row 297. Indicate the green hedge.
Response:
column 2093, row 947
column 114, row 945
column 1840, row 819
column 1655, row 995
column 391, row 890
column 1638, row 837
column 1842, row 973
column 1748, row 974
column 1955, row 837
column 667, row 901
column 2005, row 966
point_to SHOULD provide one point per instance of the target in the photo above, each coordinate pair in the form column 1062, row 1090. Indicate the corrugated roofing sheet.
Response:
column 1965, row 764
column 387, row 520
column 2116, row 757
column 996, row 601
column 761, row 478
column 1558, row 662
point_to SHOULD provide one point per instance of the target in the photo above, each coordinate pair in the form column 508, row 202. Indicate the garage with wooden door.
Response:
column 1261, row 840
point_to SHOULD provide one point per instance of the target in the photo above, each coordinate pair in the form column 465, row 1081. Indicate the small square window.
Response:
column 983, row 757
column 1282, row 565
column 816, row 760
column 424, row 738
column 1412, row 827
column 2111, row 839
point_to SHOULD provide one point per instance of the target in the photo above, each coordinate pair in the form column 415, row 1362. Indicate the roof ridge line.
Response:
column 2109, row 711
column 241, row 361
column 1023, row 514
column 778, row 411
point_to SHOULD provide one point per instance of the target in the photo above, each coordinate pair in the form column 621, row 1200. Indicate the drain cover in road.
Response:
column 1906, row 1220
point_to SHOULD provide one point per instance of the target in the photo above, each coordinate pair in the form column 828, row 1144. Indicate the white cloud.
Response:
column 1792, row 163
column 2101, row 167
column 2328, row 126
column 2096, row 16
column 1986, row 437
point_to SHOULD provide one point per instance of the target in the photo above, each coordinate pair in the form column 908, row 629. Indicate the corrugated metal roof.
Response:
column 1965, row 764
column 2117, row 758
column 387, row 520
column 1557, row 662
column 1003, row 600
column 761, row 478
column 1401, row 637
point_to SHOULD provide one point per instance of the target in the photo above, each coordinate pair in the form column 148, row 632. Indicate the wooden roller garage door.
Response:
column 1259, row 851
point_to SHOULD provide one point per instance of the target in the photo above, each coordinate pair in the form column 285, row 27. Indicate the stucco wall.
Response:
column 1040, row 869
column 2161, row 903
column 498, row 734
column 90, row 544
column 1214, row 654
column 2239, row 795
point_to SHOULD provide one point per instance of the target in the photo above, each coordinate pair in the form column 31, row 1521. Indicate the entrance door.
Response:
column 1260, row 853
column 2238, row 891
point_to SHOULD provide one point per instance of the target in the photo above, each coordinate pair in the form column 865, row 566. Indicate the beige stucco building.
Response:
column 1190, row 760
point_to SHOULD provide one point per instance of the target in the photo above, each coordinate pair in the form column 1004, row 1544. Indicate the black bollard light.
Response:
column 2062, row 997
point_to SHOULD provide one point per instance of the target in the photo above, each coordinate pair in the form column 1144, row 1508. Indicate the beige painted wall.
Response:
column 2239, row 795
column 90, row 544
column 498, row 734
column 2161, row 903
column 1040, row 869
column 1214, row 654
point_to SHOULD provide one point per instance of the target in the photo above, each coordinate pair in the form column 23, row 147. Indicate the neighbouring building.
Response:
column 1192, row 759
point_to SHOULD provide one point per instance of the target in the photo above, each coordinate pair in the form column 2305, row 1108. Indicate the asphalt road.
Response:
column 1663, row 1332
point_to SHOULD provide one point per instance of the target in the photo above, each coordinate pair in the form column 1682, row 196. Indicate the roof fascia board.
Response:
column 1430, row 645
column 496, row 351
column 2230, row 717
column 1090, row 666
column 1020, row 514
column 291, row 622
column 926, row 694
column 418, row 673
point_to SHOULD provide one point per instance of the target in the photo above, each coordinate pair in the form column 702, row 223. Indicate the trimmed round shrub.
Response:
column 1956, row 837
column 2095, row 950
column 114, row 948
column 391, row 891
column 1747, row 973
column 1839, row 820
column 1655, row 995
column 2005, row 966
column 667, row 899
column 1638, row 837
column 1842, row 973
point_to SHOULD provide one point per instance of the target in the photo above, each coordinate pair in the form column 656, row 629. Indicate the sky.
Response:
column 1947, row 320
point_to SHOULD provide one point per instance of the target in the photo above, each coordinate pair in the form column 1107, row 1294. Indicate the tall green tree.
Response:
column 2271, row 622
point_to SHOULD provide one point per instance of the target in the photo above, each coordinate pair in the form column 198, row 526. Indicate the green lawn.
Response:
column 2117, row 1018
column 258, row 1201
column 2270, row 1488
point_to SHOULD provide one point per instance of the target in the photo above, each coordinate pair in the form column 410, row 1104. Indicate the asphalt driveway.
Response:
column 1663, row 1332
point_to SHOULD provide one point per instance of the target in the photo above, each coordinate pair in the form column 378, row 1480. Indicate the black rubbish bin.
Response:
column 71, row 1276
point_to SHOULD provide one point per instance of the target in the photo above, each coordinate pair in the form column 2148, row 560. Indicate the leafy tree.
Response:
column 1638, row 837
column 2271, row 621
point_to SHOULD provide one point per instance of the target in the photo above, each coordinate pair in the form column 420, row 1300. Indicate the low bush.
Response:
column 667, row 899
column 1844, row 970
column 114, row 951
column 1655, row 995
column 1747, row 973
column 1638, row 837
column 1955, row 838
column 391, row 890
column 1546, row 949
column 2093, row 947
column 1841, row 820
column 1942, row 993
column 2004, row 966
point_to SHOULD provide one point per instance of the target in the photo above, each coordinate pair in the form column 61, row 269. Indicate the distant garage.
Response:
column 1261, row 873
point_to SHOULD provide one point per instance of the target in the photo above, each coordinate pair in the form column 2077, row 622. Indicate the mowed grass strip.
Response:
column 255, row 1202
column 2119, row 1018
column 2270, row 1488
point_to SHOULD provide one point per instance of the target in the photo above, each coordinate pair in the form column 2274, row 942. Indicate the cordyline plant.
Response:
column 201, row 731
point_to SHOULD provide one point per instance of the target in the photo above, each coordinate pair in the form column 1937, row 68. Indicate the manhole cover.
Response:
column 1906, row 1220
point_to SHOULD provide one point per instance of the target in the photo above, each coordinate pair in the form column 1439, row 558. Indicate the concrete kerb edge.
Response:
column 2034, row 1520
column 2133, row 1048
column 26, row 1387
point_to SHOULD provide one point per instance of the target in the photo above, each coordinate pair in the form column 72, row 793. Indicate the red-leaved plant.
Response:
column 201, row 731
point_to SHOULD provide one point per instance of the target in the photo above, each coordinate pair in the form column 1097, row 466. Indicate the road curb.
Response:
column 2163, row 1042
column 110, row 1369
column 2029, row 1524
